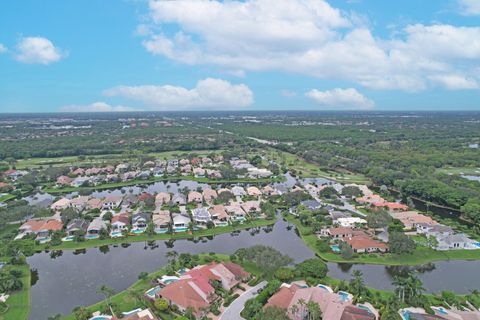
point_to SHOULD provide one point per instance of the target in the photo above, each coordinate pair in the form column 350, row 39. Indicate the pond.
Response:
column 68, row 279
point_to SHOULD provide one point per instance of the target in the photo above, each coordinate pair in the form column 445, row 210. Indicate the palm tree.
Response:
column 357, row 286
column 172, row 257
column 108, row 293
column 415, row 288
column 294, row 310
column 314, row 312
column 302, row 304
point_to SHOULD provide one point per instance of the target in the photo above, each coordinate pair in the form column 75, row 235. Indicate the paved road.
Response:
column 233, row 311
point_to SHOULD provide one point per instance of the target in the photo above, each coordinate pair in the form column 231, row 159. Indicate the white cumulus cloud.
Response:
column 37, row 50
column 208, row 93
column 2, row 48
column 469, row 7
column 339, row 98
column 96, row 107
column 313, row 38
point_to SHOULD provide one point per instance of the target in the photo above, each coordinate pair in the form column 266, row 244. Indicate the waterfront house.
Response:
column 171, row 170
column 80, row 182
column 94, row 228
column 268, row 190
column 390, row 206
column 179, row 199
column 258, row 173
column 161, row 221
column 120, row 222
column 111, row 202
column 94, row 203
column 201, row 217
column 180, row 222
column 311, row 204
column 236, row 211
column 455, row 242
column 194, row 196
column 186, row 169
column 140, row 221
column 337, row 233
column 77, row 225
column 349, row 222
column 251, row 207
column 434, row 229
column 209, row 195
column 369, row 199
column 334, row 306
column 411, row 219
column 162, row 198
column 219, row 215
column 365, row 244
column 39, row 227
column 172, row 163
column 198, row 172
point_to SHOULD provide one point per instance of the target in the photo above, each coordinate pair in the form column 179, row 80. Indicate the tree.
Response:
column 172, row 257
column 346, row 251
column 107, row 292
column 400, row 243
column 472, row 209
column 81, row 313
column 284, row 274
column 272, row 313
column 328, row 193
column 55, row 317
column 380, row 219
column 161, row 305
column 143, row 275
column 314, row 268
column 314, row 311
column 352, row 192
column 357, row 285
column 265, row 258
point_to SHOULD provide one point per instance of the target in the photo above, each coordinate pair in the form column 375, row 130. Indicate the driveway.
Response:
column 233, row 311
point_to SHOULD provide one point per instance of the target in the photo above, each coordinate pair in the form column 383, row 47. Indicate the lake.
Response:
column 67, row 279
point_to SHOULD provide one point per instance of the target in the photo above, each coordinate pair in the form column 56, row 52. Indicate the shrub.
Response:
column 161, row 304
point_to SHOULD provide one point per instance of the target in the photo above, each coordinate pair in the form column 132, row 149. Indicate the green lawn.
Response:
column 6, row 197
column 19, row 302
column 99, row 159
column 71, row 245
column 421, row 255
column 310, row 170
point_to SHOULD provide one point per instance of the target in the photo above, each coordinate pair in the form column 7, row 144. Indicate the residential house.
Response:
column 122, row 167
column 145, row 197
column 337, row 233
column 161, row 221
column 369, row 199
column 94, row 203
column 140, row 221
column 198, row 172
column 258, row 173
column 209, row 195
column 235, row 210
column 390, row 206
column 411, row 219
column 180, row 222
column 219, row 215
column 455, row 242
column 201, row 217
column 364, row 243
column 434, row 229
column 162, row 198
column 179, row 199
column 194, row 196
column 213, row 174
column 77, row 225
column 111, row 202
column 238, row 191
column 144, row 175
column 129, row 200
column 172, row 163
column 40, row 227
column 222, row 190
column 78, row 172
column 334, row 306
column 80, row 182
column 94, row 228
column 350, row 222
column 252, row 207
column 184, row 162
column 79, row 203
column 311, row 204
column 186, row 169
column 254, row 191
column 268, row 190
column 61, row 204
column 120, row 222
column 64, row 181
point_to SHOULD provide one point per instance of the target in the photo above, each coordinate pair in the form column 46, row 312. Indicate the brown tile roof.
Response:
column 185, row 293
column 236, row 270
column 356, row 313
column 283, row 297
column 364, row 242
column 219, row 211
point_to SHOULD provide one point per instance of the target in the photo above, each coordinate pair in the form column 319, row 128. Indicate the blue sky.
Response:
column 112, row 55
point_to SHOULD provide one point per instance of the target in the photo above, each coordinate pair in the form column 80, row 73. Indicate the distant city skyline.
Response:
column 139, row 55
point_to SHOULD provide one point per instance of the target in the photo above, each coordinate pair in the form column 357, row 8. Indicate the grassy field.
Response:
column 19, row 302
column 309, row 170
column 421, row 255
column 71, row 245
column 101, row 159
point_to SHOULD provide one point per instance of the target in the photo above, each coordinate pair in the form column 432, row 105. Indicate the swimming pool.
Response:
column 115, row 234
column 152, row 292
column 101, row 317
column 91, row 237
column 335, row 248
column 68, row 238
column 138, row 231
column 324, row 287
column 441, row 310
column 180, row 229
column 344, row 296
column 406, row 314
column 160, row 230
